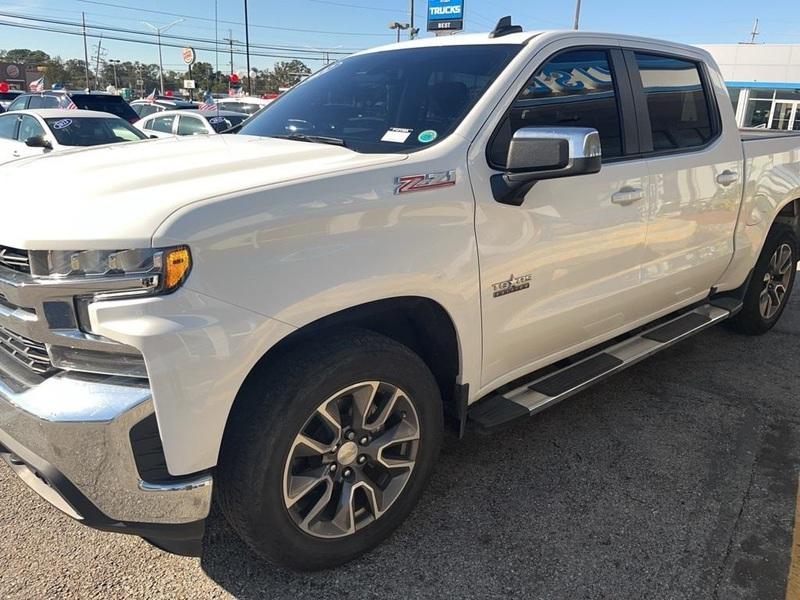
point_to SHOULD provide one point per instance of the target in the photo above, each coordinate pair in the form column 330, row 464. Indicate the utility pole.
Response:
column 412, row 33
column 98, row 57
column 577, row 15
column 399, row 27
column 85, row 51
column 247, row 50
column 754, row 33
column 114, row 62
column 158, row 31
column 231, row 42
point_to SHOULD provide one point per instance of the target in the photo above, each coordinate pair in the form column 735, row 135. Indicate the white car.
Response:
column 462, row 229
column 26, row 133
column 243, row 104
column 189, row 122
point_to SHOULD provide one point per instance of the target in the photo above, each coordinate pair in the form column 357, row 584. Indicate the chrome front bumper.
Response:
column 69, row 439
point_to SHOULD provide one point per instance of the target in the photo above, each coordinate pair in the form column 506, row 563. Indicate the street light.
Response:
column 158, row 31
column 399, row 27
column 114, row 62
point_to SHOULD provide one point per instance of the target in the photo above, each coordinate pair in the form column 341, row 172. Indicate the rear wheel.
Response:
column 329, row 450
column 771, row 283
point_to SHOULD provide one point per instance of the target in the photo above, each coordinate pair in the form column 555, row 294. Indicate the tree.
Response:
column 286, row 74
column 25, row 56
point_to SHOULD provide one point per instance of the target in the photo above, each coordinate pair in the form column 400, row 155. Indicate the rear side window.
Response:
column 573, row 89
column 163, row 124
column 191, row 126
column 18, row 104
column 677, row 102
column 43, row 102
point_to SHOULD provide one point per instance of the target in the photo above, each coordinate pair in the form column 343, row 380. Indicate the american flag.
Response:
column 208, row 102
column 152, row 97
column 37, row 86
column 67, row 103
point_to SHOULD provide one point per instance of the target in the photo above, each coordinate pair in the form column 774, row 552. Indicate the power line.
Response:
column 117, row 38
column 315, row 51
column 271, row 27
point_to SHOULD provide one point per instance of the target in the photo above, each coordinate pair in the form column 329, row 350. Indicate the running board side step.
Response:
column 498, row 409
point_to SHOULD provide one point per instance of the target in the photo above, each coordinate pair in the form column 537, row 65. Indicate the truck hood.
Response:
column 116, row 196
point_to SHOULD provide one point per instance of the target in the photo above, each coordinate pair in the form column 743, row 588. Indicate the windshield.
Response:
column 223, row 122
column 92, row 131
column 388, row 101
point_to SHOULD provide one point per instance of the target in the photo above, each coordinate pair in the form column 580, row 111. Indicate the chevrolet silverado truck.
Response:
column 456, row 231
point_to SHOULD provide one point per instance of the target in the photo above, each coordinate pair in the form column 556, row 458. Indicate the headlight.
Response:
column 165, row 268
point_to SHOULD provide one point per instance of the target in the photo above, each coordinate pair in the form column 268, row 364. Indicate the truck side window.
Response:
column 677, row 102
column 573, row 89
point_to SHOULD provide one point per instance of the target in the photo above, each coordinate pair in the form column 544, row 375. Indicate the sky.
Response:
column 348, row 25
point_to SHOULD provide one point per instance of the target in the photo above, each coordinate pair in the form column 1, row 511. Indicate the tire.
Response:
column 263, row 457
column 771, row 284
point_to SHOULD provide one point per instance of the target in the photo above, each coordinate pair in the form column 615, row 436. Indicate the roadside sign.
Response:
column 188, row 84
column 445, row 15
column 189, row 56
column 140, row 82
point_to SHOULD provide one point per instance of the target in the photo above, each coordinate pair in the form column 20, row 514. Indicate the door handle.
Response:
column 627, row 196
column 15, row 153
column 727, row 178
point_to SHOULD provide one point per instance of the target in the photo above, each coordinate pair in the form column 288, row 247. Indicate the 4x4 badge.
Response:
column 511, row 285
column 427, row 181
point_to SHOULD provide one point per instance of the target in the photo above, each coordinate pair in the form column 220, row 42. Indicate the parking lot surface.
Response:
column 675, row 479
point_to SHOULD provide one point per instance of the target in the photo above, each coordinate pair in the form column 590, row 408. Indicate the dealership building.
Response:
column 763, row 81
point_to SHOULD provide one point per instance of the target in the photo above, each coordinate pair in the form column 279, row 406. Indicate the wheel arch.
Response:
column 789, row 215
column 420, row 323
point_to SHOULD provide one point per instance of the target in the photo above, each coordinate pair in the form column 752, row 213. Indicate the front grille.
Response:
column 17, row 260
column 27, row 353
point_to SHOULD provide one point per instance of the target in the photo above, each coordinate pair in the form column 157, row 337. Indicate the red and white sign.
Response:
column 189, row 56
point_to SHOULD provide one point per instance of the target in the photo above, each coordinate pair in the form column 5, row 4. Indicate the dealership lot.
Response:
column 675, row 479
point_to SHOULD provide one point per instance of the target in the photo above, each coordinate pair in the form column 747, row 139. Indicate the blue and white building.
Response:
column 763, row 81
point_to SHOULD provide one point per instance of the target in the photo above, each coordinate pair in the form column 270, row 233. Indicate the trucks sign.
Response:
column 445, row 15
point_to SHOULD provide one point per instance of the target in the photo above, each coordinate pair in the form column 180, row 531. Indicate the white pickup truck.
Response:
column 459, row 230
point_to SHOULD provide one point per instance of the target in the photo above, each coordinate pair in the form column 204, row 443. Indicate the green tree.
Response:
column 285, row 74
column 25, row 56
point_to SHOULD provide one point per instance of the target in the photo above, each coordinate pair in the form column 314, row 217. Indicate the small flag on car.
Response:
column 208, row 101
column 37, row 86
column 67, row 103
column 152, row 97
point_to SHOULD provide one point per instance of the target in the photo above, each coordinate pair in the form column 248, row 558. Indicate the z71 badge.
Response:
column 511, row 285
column 421, row 183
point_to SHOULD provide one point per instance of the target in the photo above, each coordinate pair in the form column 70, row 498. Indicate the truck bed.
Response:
column 751, row 133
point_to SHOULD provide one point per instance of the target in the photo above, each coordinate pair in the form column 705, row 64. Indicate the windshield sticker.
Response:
column 63, row 123
column 216, row 120
column 427, row 136
column 396, row 135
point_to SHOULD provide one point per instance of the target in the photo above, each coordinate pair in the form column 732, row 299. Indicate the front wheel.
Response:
column 771, row 284
column 330, row 449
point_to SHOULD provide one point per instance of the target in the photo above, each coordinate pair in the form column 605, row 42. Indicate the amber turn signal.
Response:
column 177, row 264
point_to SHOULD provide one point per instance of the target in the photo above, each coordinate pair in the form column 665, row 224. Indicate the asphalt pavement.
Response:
column 675, row 479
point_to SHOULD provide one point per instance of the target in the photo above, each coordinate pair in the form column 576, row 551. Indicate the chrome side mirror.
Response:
column 546, row 153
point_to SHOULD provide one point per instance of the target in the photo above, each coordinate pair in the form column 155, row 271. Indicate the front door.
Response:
column 561, row 270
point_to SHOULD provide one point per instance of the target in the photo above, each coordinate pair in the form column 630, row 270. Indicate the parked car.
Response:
column 146, row 107
column 8, row 97
column 100, row 101
column 243, row 104
column 189, row 122
column 460, row 229
column 26, row 133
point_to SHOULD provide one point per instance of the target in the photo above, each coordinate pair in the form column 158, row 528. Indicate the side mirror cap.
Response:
column 38, row 141
column 546, row 153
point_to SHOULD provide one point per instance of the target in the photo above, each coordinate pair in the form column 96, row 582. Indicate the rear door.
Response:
column 695, row 167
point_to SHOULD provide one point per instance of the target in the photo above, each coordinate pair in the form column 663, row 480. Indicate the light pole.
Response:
column 158, row 31
column 114, row 62
column 399, row 27
column 247, row 50
column 577, row 15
